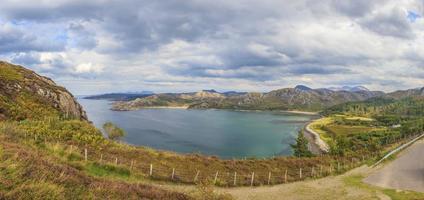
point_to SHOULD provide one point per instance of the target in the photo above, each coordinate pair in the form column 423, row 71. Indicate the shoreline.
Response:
column 165, row 107
column 300, row 112
column 315, row 144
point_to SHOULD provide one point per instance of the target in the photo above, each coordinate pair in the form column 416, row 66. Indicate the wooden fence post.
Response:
column 285, row 176
column 85, row 154
column 300, row 173
column 269, row 178
column 151, row 170
column 195, row 177
column 253, row 179
column 116, row 160
column 216, row 178
column 101, row 157
column 235, row 178
column 313, row 172
column 173, row 173
column 131, row 165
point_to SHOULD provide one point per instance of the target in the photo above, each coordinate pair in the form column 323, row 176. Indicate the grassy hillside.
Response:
column 27, row 95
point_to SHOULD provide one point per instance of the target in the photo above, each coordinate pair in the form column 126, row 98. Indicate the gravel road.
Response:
column 406, row 172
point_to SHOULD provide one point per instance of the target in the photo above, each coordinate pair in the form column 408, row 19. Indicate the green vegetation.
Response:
column 371, row 125
column 9, row 74
column 113, row 132
column 300, row 148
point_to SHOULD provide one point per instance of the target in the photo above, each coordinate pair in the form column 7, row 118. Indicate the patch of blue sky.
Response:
column 412, row 16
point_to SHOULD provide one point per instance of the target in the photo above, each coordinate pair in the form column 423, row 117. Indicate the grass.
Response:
column 335, row 129
column 356, row 181
column 106, row 170
column 9, row 74
column 318, row 126
column 30, row 172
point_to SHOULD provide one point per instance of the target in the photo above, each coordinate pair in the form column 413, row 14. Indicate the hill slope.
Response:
column 27, row 95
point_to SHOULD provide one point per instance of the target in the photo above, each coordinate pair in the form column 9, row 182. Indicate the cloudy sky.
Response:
column 96, row 46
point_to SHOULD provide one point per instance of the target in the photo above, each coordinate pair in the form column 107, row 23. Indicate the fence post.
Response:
column 235, row 178
column 195, row 177
column 173, row 173
column 101, row 157
column 151, row 170
column 71, row 148
column 85, row 154
column 300, row 173
column 285, row 176
column 131, row 165
column 320, row 170
column 269, row 178
column 253, row 179
column 116, row 160
column 313, row 172
column 216, row 177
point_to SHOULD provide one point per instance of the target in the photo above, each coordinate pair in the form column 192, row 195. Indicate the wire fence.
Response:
column 227, row 178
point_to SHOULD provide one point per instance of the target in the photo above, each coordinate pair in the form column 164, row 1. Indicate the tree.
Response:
column 113, row 132
column 301, row 147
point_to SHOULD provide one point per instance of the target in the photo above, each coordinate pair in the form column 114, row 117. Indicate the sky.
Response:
column 100, row 46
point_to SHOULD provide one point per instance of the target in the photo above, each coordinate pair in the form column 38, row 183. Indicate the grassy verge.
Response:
column 356, row 181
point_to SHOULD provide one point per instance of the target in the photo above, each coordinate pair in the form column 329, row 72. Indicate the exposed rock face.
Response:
column 22, row 89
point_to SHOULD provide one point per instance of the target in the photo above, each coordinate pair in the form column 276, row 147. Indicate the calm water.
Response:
column 227, row 134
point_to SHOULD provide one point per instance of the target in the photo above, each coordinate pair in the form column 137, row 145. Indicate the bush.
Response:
column 113, row 132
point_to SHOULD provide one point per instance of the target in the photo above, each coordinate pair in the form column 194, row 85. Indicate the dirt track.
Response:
column 406, row 172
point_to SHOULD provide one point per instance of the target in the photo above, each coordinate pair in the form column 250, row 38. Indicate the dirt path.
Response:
column 406, row 172
column 348, row 186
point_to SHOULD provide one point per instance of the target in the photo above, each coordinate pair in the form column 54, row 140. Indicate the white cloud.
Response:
column 188, row 45
column 88, row 68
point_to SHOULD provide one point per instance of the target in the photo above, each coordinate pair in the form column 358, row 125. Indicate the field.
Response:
column 333, row 126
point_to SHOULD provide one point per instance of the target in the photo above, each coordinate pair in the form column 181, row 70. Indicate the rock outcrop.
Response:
column 25, row 94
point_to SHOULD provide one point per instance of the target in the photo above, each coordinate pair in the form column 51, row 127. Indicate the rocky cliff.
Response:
column 27, row 95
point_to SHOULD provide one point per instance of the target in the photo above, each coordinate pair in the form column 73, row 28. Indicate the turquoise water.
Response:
column 227, row 134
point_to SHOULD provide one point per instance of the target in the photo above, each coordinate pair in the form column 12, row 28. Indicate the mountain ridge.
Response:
column 298, row 98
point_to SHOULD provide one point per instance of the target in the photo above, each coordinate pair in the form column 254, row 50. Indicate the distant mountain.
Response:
column 416, row 92
column 303, row 88
column 120, row 96
column 298, row 98
column 349, row 88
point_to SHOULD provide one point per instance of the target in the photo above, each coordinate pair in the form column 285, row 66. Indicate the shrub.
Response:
column 113, row 132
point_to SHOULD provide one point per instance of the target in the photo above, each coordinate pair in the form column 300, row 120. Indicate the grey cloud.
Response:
column 14, row 40
column 393, row 23
column 354, row 8
column 26, row 59
column 81, row 37
column 323, row 70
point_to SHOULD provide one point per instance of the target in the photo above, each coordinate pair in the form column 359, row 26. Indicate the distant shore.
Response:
column 316, row 144
column 164, row 107
column 300, row 112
